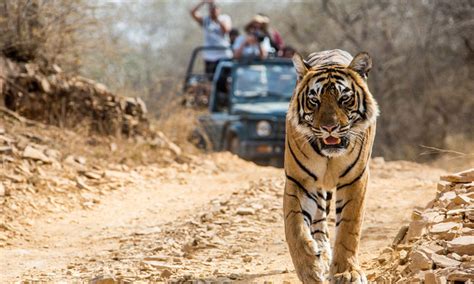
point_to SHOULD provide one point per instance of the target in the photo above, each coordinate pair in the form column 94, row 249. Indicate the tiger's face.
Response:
column 332, row 105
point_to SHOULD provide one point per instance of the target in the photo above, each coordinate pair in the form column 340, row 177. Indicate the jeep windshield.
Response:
column 267, row 82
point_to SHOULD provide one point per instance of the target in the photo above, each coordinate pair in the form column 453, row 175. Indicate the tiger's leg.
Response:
column 319, row 227
column 310, row 260
column 349, row 214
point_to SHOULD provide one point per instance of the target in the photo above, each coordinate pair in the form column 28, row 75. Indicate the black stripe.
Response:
column 356, row 179
column 349, row 168
column 328, row 196
column 318, row 232
column 307, row 215
column 318, row 221
column 315, row 147
column 319, row 80
column 328, row 208
column 355, row 81
column 342, row 220
column 306, row 170
column 320, row 195
column 304, row 212
column 337, row 77
column 298, row 107
column 362, row 114
column 339, row 209
column 308, row 194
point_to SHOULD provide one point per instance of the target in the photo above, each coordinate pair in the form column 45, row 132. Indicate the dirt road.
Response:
column 217, row 219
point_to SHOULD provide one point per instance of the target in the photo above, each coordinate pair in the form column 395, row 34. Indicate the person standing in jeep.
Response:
column 216, row 27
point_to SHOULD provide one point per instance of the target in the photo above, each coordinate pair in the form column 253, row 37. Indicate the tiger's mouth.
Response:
column 332, row 142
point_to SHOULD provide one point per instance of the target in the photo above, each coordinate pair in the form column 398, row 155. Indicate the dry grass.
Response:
column 457, row 157
column 178, row 123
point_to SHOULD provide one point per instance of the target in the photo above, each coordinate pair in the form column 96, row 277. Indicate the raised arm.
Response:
column 194, row 14
column 225, row 24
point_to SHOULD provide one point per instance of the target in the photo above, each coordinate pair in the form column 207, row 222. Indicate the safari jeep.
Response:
column 247, row 107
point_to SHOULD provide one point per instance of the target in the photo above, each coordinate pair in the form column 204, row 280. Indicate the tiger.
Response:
column 330, row 130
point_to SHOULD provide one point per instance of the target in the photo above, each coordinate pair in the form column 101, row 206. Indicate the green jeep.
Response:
column 247, row 107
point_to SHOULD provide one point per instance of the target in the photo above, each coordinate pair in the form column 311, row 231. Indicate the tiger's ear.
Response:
column 362, row 63
column 300, row 66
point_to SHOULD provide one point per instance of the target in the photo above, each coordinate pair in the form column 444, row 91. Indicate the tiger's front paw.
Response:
column 354, row 276
column 313, row 266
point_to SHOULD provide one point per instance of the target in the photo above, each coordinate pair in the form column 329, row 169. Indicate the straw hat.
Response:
column 259, row 19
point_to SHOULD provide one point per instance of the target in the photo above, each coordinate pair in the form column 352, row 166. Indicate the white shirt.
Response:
column 213, row 36
column 251, row 50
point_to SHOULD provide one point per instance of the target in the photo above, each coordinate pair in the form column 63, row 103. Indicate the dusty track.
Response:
column 191, row 223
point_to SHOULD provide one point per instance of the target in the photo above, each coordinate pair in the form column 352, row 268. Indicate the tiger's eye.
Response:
column 345, row 99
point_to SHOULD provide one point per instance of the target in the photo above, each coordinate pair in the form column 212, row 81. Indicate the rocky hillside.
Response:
column 438, row 245
column 51, row 96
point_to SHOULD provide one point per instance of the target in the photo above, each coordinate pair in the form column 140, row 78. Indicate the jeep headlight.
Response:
column 264, row 128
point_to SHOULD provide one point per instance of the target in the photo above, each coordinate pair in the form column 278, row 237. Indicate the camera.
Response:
column 260, row 36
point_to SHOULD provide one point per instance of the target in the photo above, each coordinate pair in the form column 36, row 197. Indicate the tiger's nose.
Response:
column 329, row 128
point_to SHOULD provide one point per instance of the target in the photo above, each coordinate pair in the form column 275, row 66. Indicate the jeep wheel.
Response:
column 234, row 145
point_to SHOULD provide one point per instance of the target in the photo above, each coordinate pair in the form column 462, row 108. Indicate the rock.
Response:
column 245, row 211
column 445, row 227
column 103, row 280
column 161, row 264
column 82, row 185
column 400, row 235
column 247, row 258
column 6, row 149
column 430, row 278
column 462, row 177
column 462, row 245
column 460, row 276
column 448, row 196
column 443, row 261
column 416, row 229
column 403, row 256
column 432, row 248
column 455, row 256
column 444, row 186
column 156, row 258
column 81, row 160
column 34, row 154
column 459, row 211
column 53, row 154
column 462, row 200
column 419, row 261
column 166, row 274
column 92, row 175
